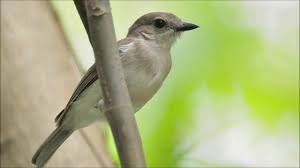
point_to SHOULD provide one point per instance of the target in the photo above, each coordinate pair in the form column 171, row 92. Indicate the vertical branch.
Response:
column 80, row 6
column 119, row 111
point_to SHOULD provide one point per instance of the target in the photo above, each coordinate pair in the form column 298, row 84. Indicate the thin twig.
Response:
column 80, row 6
column 99, row 159
column 109, row 69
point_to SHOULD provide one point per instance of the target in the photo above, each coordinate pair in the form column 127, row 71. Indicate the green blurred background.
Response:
column 232, row 97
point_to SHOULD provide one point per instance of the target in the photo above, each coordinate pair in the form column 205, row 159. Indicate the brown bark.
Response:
column 38, row 75
column 119, row 114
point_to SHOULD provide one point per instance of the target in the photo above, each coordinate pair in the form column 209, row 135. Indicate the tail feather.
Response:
column 52, row 143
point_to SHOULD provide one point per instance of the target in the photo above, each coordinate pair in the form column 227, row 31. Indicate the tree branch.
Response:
column 119, row 111
column 80, row 6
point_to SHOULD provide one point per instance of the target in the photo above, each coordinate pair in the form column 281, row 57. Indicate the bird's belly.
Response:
column 142, row 89
column 84, row 110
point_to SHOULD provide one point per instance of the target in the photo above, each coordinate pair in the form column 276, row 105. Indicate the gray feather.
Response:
column 52, row 143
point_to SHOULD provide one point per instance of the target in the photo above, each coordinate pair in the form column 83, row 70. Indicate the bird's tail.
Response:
column 52, row 143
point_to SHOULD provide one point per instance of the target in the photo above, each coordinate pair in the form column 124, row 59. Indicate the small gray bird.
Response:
column 146, row 60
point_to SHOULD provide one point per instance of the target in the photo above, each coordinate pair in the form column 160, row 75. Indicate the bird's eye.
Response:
column 159, row 23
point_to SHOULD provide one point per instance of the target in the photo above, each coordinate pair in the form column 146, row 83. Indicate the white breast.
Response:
column 145, row 68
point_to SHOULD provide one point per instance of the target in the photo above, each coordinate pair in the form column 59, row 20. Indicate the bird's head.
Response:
column 164, row 28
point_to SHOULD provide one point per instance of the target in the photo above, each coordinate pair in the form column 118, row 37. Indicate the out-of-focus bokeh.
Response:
column 232, row 97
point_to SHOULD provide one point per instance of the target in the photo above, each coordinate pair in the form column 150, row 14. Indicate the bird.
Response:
column 146, row 61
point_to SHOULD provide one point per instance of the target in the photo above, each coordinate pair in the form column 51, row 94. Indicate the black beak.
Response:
column 186, row 27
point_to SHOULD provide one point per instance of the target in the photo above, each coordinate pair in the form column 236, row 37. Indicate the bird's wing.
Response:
column 89, row 78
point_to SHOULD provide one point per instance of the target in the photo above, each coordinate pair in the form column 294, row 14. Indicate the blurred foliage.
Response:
column 224, row 55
